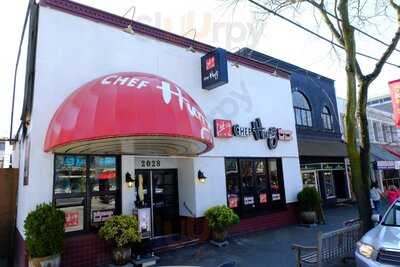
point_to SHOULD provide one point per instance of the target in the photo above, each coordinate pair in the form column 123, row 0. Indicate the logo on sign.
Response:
column 222, row 128
column 210, row 63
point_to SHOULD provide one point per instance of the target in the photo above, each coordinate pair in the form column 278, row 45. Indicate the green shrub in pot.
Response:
column 220, row 219
column 309, row 204
column 44, row 232
column 121, row 231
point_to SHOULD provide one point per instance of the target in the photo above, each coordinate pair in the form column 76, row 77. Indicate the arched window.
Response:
column 302, row 110
column 326, row 118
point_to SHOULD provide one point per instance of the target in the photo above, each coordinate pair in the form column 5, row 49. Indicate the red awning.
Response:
column 129, row 113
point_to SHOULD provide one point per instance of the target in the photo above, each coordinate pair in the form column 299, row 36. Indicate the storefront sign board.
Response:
column 214, row 69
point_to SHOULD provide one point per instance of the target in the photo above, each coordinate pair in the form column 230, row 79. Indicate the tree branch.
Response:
column 392, row 46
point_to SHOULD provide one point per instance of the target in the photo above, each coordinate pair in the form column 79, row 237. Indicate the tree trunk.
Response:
column 356, row 161
column 365, row 209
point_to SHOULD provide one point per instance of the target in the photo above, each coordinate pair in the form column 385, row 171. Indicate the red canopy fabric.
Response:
column 129, row 113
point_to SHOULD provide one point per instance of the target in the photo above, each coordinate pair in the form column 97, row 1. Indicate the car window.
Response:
column 393, row 216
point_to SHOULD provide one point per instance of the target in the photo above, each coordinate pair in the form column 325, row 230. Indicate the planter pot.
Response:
column 121, row 256
column 50, row 261
column 219, row 236
column 308, row 217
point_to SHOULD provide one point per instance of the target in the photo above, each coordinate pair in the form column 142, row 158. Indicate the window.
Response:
column 326, row 118
column 302, row 110
column 371, row 131
column 254, row 185
column 86, row 189
column 377, row 132
column 386, row 133
column 393, row 132
column 329, row 184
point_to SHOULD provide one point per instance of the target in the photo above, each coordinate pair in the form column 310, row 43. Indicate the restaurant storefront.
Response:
column 124, row 123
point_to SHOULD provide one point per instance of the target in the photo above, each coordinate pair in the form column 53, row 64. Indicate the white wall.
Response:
column 128, row 194
column 72, row 51
column 213, row 191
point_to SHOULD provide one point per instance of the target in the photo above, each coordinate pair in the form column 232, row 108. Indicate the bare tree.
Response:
column 342, row 18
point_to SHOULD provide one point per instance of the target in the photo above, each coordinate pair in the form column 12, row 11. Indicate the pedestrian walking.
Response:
column 376, row 194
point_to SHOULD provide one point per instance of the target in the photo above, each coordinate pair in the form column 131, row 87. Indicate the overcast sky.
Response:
column 217, row 25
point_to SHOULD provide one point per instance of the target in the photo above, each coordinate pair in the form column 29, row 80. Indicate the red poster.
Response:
column 395, row 94
column 71, row 219
column 263, row 198
column 222, row 128
column 233, row 202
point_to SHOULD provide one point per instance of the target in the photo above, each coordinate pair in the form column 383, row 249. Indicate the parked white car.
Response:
column 380, row 247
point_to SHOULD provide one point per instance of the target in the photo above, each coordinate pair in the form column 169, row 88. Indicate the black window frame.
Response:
column 326, row 116
column 303, row 112
column 271, row 206
column 87, row 195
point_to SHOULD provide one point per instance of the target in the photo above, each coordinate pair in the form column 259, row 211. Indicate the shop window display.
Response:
column 254, row 185
column 86, row 189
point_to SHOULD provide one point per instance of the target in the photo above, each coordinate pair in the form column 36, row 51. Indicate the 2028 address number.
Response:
column 150, row 163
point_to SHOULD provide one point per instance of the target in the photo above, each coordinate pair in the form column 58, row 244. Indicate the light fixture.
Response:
column 191, row 48
column 201, row 177
column 129, row 28
column 129, row 180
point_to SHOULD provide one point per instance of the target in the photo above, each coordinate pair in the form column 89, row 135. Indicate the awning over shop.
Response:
column 395, row 150
column 378, row 153
column 383, row 159
column 322, row 148
column 129, row 113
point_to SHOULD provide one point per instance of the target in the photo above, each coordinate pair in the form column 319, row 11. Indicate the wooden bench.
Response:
column 331, row 246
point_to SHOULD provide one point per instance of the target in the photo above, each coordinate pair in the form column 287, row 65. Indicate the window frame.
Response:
column 87, row 195
column 326, row 116
column 307, row 112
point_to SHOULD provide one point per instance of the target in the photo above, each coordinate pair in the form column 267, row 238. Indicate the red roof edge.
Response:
column 97, row 15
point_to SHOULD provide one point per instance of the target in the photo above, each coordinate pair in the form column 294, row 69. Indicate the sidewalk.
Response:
column 268, row 248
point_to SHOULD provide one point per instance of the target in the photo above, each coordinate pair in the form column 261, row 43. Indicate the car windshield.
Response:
column 393, row 216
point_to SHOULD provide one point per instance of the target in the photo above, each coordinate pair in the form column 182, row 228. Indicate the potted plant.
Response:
column 220, row 218
column 44, row 232
column 121, row 230
column 309, row 203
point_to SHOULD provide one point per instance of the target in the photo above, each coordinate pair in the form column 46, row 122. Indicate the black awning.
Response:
column 322, row 148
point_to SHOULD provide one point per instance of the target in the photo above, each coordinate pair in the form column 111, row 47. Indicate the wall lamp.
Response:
column 201, row 177
column 129, row 180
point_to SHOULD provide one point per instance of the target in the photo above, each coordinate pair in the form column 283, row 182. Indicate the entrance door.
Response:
column 161, row 194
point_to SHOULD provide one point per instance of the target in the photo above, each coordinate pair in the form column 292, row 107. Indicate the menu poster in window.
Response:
column 276, row 197
column 101, row 215
column 73, row 218
column 144, row 220
column 249, row 200
column 263, row 198
column 233, row 201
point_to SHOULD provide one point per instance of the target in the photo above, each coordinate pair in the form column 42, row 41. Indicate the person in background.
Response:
column 375, row 194
column 392, row 194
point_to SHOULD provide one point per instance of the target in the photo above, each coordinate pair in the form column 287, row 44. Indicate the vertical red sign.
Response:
column 222, row 128
column 395, row 94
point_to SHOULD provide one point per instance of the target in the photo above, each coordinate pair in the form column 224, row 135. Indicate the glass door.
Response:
column 158, row 190
column 166, row 219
